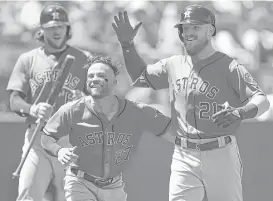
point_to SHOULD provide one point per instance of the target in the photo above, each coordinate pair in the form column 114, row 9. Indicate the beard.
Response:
column 56, row 46
column 193, row 48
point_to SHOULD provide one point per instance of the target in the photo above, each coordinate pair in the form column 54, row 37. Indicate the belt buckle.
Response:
column 102, row 183
column 197, row 147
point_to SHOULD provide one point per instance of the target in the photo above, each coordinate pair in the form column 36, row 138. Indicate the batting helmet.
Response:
column 54, row 15
column 196, row 14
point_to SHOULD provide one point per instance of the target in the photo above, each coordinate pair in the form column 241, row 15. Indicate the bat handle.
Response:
column 39, row 126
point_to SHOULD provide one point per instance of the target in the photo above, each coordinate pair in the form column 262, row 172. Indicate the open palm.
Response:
column 123, row 28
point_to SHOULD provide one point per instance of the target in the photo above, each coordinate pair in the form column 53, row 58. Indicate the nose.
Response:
column 95, row 79
column 56, row 30
column 187, row 31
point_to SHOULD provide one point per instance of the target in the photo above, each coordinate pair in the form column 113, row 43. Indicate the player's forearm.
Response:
column 19, row 105
column 50, row 144
column 258, row 105
column 133, row 62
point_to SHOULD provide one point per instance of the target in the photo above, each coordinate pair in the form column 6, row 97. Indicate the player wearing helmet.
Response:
column 210, row 94
column 31, row 71
column 55, row 27
column 198, row 24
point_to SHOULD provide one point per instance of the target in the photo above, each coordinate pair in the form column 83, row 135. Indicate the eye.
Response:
column 101, row 75
column 196, row 27
column 90, row 75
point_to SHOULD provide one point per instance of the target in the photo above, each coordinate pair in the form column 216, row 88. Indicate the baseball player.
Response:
column 210, row 94
column 31, row 71
column 104, row 131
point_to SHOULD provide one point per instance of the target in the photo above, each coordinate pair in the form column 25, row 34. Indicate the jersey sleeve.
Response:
column 243, row 83
column 19, row 77
column 154, row 121
column 59, row 124
column 154, row 76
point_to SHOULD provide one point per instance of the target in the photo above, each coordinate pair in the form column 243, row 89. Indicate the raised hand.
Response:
column 123, row 28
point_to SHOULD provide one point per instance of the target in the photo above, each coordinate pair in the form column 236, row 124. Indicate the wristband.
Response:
column 248, row 111
column 56, row 149
column 22, row 113
column 127, row 44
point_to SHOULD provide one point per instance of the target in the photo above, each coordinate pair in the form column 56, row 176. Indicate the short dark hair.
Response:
column 105, row 60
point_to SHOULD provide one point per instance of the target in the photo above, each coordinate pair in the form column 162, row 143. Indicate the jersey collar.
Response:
column 202, row 63
column 121, row 106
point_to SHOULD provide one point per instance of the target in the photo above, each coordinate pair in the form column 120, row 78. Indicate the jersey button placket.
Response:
column 107, row 154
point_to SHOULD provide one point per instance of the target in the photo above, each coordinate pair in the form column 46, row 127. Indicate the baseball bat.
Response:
column 54, row 92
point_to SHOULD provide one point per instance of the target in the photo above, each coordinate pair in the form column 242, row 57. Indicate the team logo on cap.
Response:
column 187, row 14
column 55, row 15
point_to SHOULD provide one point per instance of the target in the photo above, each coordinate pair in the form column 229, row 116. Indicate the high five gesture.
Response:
column 123, row 28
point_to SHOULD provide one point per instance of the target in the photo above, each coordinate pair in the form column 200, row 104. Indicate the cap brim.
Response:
column 190, row 21
column 54, row 24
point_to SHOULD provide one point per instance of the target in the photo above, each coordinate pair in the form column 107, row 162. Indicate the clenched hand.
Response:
column 41, row 110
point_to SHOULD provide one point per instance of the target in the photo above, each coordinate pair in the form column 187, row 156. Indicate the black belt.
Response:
column 201, row 146
column 100, row 182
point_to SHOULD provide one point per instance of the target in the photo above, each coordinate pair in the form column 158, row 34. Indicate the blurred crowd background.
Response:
column 244, row 31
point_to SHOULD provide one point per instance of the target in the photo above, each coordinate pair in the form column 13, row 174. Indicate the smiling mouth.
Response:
column 56, row 37
column 96, row 86
column 190, row 39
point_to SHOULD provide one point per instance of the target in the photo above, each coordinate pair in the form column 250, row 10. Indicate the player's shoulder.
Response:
column 146, row 109
column 234, row 64
column 225, row 61
column 169, row 62
column 175, row 59
column 137, row 105
column 29, row 55
column 79, row 52
column 74, row 105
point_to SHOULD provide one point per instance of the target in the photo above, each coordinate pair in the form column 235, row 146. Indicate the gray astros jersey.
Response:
column 33, row 68
column 197, row 90
column 104, row 146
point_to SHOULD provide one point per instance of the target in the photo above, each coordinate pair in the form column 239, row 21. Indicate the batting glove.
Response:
column 123, row 28
column 41, row 110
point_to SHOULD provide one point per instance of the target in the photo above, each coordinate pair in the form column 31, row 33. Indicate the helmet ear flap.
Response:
column 214, row 33
column 69, row 32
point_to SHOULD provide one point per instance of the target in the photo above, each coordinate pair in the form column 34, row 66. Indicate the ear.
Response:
column 211, row 30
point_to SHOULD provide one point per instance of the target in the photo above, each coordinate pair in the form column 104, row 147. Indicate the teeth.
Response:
column 96, row 86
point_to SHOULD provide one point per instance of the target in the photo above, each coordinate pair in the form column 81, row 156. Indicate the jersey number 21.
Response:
column 206, row 108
